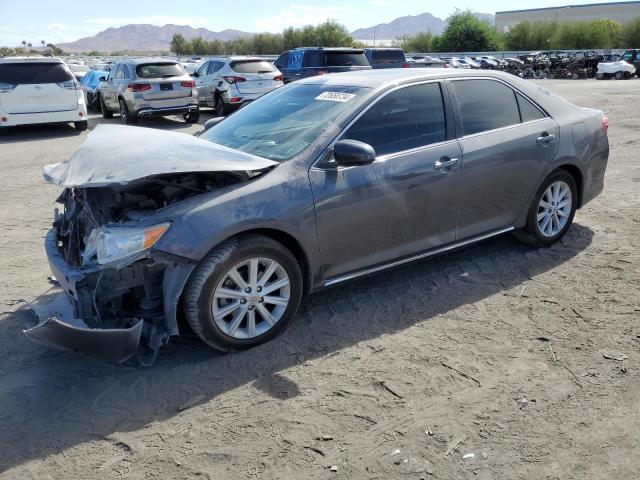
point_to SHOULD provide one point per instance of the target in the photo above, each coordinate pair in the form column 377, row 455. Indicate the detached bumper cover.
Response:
column 72, row 321
column 111, row 345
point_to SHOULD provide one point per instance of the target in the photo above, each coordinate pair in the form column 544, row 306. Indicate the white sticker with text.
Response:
column 335, row 96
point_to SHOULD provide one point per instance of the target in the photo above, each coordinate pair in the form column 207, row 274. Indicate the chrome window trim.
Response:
column 395, row 263
column 365, row 110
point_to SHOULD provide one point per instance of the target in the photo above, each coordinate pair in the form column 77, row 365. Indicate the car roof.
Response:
column 332, row 49
column 396, row 76
column 145, row 61
column 30, row 60
column 235, row 58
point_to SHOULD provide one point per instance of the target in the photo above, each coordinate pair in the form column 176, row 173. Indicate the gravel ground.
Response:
column 499, row 350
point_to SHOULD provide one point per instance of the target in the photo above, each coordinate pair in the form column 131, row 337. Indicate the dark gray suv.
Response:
column 319, row 182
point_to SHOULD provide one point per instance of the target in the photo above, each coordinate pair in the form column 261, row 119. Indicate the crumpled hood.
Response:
column 117, row 154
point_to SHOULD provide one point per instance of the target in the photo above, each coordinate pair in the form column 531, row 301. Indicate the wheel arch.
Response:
column 577, row 175
column 289, row 242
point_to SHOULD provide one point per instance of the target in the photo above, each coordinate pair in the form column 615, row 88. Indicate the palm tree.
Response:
column 24, row 44
column 29, row 45
column 43, row 44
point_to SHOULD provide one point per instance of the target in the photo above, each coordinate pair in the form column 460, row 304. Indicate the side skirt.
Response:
column 334, row 280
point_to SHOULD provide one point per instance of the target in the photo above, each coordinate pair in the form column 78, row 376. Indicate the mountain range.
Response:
column 146, row 38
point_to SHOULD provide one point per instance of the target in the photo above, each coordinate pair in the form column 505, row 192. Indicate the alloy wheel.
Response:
column 251, row 298
column 554, row 209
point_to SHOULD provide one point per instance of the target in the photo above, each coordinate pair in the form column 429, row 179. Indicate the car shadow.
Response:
column 43, row 132
column 40, row 132
column 75, row 399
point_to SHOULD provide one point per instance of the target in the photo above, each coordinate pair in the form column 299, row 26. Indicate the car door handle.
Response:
column 545, row 139
column 444, row 163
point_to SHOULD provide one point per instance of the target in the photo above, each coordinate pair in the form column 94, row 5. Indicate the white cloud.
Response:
column 297, row 15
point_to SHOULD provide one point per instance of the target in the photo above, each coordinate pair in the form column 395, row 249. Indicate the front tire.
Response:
column 552, row 210
column 243, row 293
column 106, row 113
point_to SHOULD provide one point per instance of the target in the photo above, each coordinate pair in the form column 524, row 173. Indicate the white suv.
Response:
column 39, row 90
column 228, row 83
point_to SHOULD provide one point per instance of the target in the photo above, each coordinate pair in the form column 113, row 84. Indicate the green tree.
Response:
column 421, row 42
column 466, row 33
column 179, row 45
column 630, row 35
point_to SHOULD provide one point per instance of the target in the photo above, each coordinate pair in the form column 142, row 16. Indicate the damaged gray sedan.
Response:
column 321, row 181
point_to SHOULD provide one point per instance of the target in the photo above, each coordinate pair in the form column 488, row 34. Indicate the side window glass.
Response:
column 282, row 60
column 485, row 105
column 120, row 72
column 295, row 59
column 408, row 118
column 528, row 111
column 113, row 72
column 627, row 56
column 214, row 67
column 202, row 70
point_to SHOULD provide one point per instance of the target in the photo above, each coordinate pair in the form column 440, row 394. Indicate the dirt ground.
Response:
column 528, row 359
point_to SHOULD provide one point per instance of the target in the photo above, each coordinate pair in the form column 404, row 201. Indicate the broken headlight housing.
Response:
column 110, row 244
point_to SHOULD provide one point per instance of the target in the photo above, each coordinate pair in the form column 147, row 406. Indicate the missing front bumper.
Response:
column 56, row 327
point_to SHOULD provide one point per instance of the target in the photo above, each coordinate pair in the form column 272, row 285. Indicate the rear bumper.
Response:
column 153, row 112
column 13, row 119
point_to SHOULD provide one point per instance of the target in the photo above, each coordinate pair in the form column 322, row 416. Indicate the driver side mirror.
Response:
column 350, row 153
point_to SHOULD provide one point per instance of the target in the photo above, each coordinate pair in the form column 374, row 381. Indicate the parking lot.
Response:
column 529, row 359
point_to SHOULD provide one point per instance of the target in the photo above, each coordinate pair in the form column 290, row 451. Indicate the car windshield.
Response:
column 33, row 73
column 253, row 66
column 284, row 122
column 159, row 70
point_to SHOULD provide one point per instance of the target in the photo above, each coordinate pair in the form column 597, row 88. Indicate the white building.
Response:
column 622, row 12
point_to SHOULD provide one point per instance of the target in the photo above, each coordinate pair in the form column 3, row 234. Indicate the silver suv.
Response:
column 147, row 87
column 228, row 83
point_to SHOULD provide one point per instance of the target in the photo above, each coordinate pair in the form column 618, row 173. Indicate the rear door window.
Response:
column 408, row 118
column 253, row 66
column 528, row 111
column 346, row 59
column 283, row 60
column 159, row 70
column 387, row 56
column 214, row 67
column 485, row 105
column 33, row 73
column 121, row 74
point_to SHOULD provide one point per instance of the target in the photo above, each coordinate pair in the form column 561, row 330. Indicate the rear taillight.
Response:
column 6, row 87
column 69, row 85
column 405, row 65
column 321, row 72
column 234, row 79
column 604, row 121
column 446, row 65
column 279, row 78
column 188, row 83
column 139, row 87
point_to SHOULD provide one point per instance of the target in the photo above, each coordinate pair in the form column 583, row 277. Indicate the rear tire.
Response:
column 106, row 113
column 213, row 286
column 125, row 116
column 619, row 75
column 81, row 126
column 192, row 117
column 221, row 109
column 534, row 232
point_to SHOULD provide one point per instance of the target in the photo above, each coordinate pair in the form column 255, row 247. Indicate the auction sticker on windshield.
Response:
column 335, row 96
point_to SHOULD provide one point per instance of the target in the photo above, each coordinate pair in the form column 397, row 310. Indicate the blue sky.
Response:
column 58, row 21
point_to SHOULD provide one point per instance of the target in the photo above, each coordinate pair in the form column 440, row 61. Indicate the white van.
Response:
column 39, row 90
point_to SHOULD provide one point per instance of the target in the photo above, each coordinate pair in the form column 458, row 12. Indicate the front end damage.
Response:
column 119, row 295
